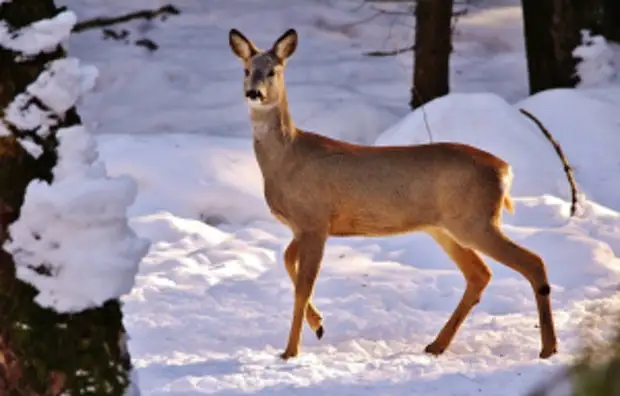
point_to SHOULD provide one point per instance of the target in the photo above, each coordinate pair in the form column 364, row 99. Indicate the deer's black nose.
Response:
column 253, row 94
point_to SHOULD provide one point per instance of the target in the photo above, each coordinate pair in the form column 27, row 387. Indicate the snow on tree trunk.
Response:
column 596, row 66
column 433, row 44
column 68, row 253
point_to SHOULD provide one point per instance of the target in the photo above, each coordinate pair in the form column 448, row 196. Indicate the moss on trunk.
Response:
column 43, row 352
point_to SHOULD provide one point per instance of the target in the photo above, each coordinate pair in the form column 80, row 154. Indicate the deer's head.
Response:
column 263, row 82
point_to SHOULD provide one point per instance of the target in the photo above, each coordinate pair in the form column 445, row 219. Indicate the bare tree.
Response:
column 433, row 44
column 43, row 352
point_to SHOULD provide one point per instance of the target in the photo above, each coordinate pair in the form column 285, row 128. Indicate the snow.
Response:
column 41, row 36
column 72, row 241
column 59, row 87
column 585, row 122
column 31, row 147
column 596, row 66
column 210, row 309
column 487, row 121
column 62, row 83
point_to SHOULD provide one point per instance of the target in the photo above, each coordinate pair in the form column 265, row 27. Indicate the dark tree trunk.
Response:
column 600, row 17
column 553, row 30
column 551, row 34
column 611, row 20
column 433, row 44
column 43, row 352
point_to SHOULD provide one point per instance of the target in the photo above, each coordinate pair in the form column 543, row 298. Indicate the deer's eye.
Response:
column 271, row 73
column 246, row 72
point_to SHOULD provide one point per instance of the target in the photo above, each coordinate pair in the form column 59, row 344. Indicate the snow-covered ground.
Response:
column 211, row 308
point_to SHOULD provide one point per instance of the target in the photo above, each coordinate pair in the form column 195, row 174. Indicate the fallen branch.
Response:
column 567, row 169
column 107, row 21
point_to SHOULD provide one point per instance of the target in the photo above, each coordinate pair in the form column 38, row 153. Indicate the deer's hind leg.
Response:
column 291, row 261
column 491, row 241
column 477, row 275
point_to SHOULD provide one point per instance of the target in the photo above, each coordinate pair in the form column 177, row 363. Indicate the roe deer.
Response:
column 321, row 187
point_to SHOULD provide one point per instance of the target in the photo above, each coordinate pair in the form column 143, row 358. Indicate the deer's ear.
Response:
column 285, row 45
column 241, row 46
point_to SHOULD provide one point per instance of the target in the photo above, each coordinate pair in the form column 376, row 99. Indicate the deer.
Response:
column 320, row 187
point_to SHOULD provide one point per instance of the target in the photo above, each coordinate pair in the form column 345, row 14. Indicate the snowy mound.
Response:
column 72, row 241
column 215, row 179
column 487, row 121
column 586, row 123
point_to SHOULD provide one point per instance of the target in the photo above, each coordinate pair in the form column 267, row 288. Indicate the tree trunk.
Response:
column 433, row 44
column 553, row 30
column 611, row 20
column 43, row 352
column 600, row 17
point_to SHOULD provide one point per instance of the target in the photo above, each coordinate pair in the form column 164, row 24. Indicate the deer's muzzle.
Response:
column 254, row 94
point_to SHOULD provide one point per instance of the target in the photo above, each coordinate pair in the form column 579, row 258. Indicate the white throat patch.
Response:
column 260, row 129
column 256, row 104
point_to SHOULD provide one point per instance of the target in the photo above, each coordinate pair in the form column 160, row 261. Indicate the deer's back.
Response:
column 370, row 190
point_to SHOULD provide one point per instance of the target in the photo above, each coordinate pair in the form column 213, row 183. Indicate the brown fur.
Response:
column 321, row 187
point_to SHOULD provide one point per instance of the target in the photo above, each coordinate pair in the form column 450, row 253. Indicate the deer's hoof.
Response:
column 434, row 349
column 286, row 355
column 548, row 352
column 319, row 332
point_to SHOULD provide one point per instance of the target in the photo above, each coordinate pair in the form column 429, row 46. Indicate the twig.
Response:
column 567, row 169
column 455, row 15
column 455, row 18
column 390, row 53
column 146, row 43
column 107, row 21
column 410, row 12
column 388, row 1
column 426, row 124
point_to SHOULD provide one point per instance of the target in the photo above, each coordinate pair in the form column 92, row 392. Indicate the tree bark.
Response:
column 553, row 30
column 600, row 17
column 43, row 352
column 433, row 44
column 551, row 34
column 611, row 20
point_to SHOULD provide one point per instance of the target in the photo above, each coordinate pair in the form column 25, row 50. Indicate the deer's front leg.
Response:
column 313, row 316
column 311, row 246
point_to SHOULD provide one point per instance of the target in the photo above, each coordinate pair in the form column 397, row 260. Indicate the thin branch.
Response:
column 390, row 53
column 410, row 12
column 388, row 1
column 567, row 169
column 107, row 21
column 455, row 16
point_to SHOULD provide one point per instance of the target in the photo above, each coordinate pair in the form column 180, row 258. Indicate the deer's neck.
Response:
column 273, row 130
